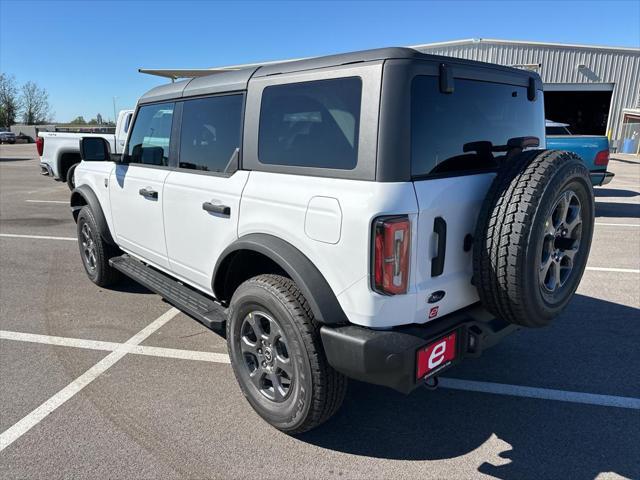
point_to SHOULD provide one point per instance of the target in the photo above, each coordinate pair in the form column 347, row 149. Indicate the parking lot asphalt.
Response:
column 77, row 400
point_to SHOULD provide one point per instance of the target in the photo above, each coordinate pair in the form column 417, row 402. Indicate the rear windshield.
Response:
column 445, row 127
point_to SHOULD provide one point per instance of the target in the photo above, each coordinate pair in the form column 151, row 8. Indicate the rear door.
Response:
column 136, row 185
column 452, row 173
column 202, row 196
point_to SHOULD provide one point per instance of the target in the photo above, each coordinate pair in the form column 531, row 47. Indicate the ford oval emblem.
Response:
column 436, row 296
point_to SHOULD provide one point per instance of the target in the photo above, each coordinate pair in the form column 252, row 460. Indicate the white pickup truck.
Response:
column 60, row 152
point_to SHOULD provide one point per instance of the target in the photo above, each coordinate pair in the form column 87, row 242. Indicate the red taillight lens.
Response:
column 602, row 158
column 40, row 145
column 392, row 236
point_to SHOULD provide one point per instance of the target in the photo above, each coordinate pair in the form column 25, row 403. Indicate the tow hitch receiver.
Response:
column 431, row 383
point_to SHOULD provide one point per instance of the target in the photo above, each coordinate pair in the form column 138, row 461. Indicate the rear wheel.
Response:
column 533, row 237
column 71, row 181
column 277, row 356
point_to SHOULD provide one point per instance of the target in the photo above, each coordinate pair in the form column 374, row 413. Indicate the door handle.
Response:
column 437, row 262
column 214, row 208
column 148, row 193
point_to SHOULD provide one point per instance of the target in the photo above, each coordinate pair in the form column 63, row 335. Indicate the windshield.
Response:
column 463, row 130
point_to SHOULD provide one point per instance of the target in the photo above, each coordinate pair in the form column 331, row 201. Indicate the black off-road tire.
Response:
column 98, row 269
column 71, row 182
column 512, row 236
column 317, row 390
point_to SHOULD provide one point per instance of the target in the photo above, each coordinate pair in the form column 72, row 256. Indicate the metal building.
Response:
column 594, row 89
column 585, row 86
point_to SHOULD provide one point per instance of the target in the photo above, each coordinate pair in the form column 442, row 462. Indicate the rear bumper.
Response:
column 388, row 357
column 45, row 169
column 601, row 178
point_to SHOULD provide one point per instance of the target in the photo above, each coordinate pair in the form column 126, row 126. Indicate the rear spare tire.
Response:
column 533, row 236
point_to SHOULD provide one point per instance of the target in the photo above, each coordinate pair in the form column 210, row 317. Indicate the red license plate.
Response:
column 436, row 356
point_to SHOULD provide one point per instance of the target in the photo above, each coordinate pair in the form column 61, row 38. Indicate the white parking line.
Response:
column 36, row 416
column 113, row 346
column 59, row 341
column 541, row 393
column 450, row 383
column 636, row 225
column 43, row 237
column 65, row 202
column 38, row 237
column 619, row 270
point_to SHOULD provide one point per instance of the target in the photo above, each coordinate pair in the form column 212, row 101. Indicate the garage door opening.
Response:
column 586, row 111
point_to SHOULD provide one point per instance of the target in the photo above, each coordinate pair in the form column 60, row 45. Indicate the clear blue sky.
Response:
column 85, row 53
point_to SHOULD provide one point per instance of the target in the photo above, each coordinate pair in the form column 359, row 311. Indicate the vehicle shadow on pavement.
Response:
column 126, row 285
column 548, row 439
column 621, row 160
column 12, row 159
column 612, row 209
column 614, row 192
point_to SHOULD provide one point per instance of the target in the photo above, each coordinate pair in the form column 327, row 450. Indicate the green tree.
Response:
column 35, row 104
column 78, row 121
column 9, row 100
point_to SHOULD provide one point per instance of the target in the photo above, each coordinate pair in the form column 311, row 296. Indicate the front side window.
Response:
column 149, row 140
column 210, row 132
column 464, row 130
column 311, row 124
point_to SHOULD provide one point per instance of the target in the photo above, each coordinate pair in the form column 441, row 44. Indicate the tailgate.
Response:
column 457, row 141
column 447, row 212
column 587, row 147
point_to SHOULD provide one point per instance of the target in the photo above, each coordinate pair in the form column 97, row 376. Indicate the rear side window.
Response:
column 456, row 132
column 558, row 131
column 210, row 132
column 311, row 124
column 149, row 140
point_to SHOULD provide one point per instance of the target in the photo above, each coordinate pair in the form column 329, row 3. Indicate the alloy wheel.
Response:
column 88, row 247
column 266, row 356
column 561, row 243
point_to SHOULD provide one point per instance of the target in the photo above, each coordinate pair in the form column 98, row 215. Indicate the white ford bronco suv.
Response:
column 378, row 215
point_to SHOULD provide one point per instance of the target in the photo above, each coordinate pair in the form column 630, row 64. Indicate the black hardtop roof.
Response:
column 237, row 79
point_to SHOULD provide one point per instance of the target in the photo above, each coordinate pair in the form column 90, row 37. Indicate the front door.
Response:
column 202, row 196
column 136, row 185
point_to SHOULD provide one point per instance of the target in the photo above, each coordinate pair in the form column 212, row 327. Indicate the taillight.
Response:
column 602, row 158
column 391, row 240
column 40, row 145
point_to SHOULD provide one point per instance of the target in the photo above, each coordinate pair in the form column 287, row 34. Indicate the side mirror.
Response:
column 95, row 149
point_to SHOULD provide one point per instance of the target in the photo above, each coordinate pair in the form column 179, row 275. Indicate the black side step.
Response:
column 202, row 308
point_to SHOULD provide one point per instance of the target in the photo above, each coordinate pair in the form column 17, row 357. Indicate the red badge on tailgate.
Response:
column 436, row 356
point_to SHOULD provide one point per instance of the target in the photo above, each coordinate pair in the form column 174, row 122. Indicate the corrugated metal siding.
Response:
column 559, row 64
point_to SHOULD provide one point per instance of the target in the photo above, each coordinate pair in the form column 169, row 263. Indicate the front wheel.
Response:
column 277, row 355
column 94, row 251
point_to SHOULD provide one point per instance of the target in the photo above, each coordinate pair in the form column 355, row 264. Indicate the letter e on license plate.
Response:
column 436, row 356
